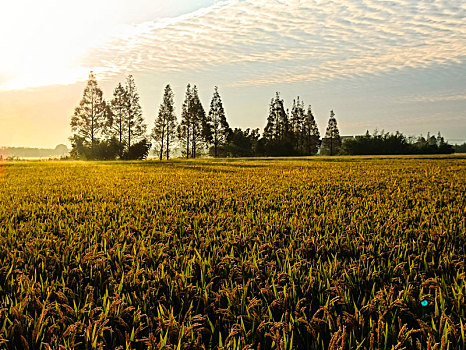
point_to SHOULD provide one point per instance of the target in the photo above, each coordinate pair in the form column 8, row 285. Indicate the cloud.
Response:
column 436, row 98
column 271, row 41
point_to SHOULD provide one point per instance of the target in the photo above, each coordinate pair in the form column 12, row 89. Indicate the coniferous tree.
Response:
column 311, row 142
column 332, row 142
column 278, row 140
column 170, row 132
column 199, row 125
column 184, row 129
column 165, row 124
column 219, row 128
column 88, row 119
column 116, row 117
column 136, row 128
column 278, row 124
column 269, row 130
column 297, row 118
column 282, row 121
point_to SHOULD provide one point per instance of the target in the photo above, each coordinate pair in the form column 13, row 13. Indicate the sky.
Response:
column 396, row 65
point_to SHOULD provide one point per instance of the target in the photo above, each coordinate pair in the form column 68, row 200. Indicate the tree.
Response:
column 184, row 129
column 277, row 135
column 386, row 143
column 200, row 132
column 165, row 124
column 332, row 142
column 136, row 128
column 240, row 143
column 219, row 128
column 88, row 119
column 139, row 150
column 311, row 140
column 117, row 117
column 297, row 119
column 278, row 125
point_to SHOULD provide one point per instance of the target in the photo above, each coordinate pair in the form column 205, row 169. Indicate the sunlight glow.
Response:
column 49, row 41
column 46, row 39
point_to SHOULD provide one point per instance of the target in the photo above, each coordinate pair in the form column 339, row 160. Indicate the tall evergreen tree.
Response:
column 116, row 117
column 297, row 118
column 88, row 119
column 199, row 125
column 165, row 124
column 332, row 142
column 311, row 134
column 269, row 130
column 278, row 125
column 184, row 129
column 277, row 132
column 283, row 125
column 218, row 123
column 136, row 128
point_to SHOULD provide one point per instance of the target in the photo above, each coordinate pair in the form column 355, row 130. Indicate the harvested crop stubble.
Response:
column 303, row 253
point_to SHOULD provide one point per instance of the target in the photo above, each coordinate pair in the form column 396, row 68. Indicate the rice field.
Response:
column 341, row 253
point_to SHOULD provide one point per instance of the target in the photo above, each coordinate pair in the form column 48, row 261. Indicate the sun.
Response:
column 47, row 39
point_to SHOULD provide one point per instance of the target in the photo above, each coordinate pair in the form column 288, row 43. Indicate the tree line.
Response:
column 395, row 143
column 115, row 129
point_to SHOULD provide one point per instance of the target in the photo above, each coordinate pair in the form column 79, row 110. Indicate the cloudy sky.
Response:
column 392, row 65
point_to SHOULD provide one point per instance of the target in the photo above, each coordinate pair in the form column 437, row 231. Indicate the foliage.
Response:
column 164, row 131
column 106, row 131
column 88, row 119
column 194, row 130
column 184, row 129
column 294, row 135
column 297, row 126
column 117, row 120
column 300, row 254
column 137, row 151
column 460, row 148
column 103, row 149
column 240, row 143
column 135, row 123
column 331, row 143
column 219, row 129
column 386, row 143
column 311, row 135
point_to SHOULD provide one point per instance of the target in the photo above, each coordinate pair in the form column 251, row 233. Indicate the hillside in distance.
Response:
column 30, row 152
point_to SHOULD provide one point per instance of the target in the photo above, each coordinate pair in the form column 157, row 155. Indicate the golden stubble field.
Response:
column 340, row 253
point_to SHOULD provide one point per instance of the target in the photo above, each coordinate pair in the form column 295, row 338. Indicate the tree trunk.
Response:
column 215, row 143
column 193, row 154
column 187, row 142
column 161, row 146
column 92, row 123
column 120, row 122
column 331, row 144
column 129, row 133
column 168, row 140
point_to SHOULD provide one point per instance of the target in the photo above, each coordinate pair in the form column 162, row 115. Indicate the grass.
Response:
column 311, row 253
